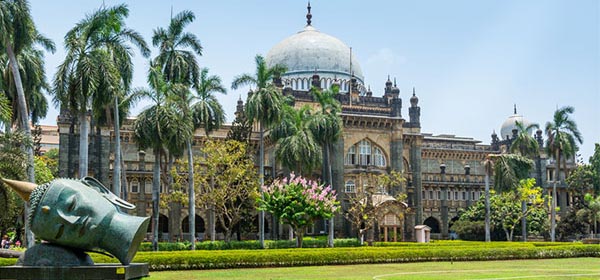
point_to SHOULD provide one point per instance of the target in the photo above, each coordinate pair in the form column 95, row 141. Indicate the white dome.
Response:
column 310, row 50
column 510, row 124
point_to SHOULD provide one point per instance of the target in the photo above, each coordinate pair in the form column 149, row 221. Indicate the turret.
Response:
column 414, row 112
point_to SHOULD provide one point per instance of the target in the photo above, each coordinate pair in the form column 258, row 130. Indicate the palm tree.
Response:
column 296, row 148
column 264, row 106
column 175, row 58
column 525, row 145
column 508, row 170
column 18, row 32
column 97, row 66
column 158, row 127
column 327, row 128
column 562, row 136
column 111, row 99
column 205, row 111
column 33, row 76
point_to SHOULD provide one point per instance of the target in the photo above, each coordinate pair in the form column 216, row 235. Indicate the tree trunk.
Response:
column 24, row 124
column 487, row 205
column 330, row 236
column 124, row 185
column 84, row 130
column 261, row 175
column 524, row 221
column 155, row 198
column 299, row 237
column 212, row 219
column 191, row 195
column 553, row 204
column 117, row 163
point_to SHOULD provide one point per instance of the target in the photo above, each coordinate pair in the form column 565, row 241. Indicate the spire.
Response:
column 414, row 91
column 308, row 15
column 515, row 106
column 394, row 81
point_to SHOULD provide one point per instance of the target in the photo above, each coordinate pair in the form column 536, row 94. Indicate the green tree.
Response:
column 508, row 170
column 595, row 165
column 96, row 67
column 327, row 126
column 177, row 49
column 562, row 135
column 579, row 183
column 298, row 202
column 228, row 181
column 296, row 147
column 509, row 210
column 204, row 110
column 12, row 166
column 593, row 210
column 524, row 144
column 160, row 127
column 265, row 106
column 18, row 33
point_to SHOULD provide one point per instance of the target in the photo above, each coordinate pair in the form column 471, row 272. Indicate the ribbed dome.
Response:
column 510, row 124
column 310, row 49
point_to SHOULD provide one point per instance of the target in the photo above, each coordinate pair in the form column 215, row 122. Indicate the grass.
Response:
column 547, row 269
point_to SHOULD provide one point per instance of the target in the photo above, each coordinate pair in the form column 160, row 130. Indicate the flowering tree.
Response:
column 298, row 202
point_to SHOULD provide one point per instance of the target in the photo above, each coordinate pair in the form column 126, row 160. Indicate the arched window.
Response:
column 148, row 187
column 350, row 187
column 351, row 156
column 368, row 154
column 364, row 152
column 379, row 159
column 135, row 186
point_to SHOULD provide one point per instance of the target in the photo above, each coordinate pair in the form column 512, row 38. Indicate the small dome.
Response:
column 510, row 124
column 310, row 49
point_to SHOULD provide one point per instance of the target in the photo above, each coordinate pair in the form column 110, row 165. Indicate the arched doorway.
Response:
column 185, row 224
column 433, row 223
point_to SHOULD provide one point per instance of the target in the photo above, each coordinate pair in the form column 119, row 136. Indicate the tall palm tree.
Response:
column 18, row 32
column 562, row 135
column 107, row 104
column 525, row 145
column 507, row 170
column 96, row 66
column 265, row 106
column 296, row 146
column 158, row 127
column 205, row 111
column 33, row 77
column 327, row 128
column 177, row 49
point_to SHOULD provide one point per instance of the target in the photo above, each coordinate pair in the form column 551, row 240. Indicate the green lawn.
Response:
column 547, row 269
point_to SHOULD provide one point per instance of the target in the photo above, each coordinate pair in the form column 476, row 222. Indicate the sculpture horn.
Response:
column 22, row 188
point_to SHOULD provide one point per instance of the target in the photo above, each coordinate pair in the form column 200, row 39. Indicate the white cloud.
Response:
column 386, row 57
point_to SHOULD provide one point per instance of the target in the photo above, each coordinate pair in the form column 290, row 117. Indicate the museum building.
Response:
column 444, row 173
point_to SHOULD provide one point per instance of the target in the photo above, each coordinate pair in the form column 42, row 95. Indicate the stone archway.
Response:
column 433, row 223
column 185, row 225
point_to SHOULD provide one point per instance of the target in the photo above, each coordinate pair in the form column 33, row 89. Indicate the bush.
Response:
column 405, row 252
column 468, row 230
column 309, row 242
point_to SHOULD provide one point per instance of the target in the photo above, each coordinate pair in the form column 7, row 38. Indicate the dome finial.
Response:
column 413, row 91
column 308, row 15
column 515, row 107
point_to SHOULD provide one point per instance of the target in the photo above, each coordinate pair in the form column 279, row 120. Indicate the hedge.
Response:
column 249, row 244
column 212, row 259
column 383, row 253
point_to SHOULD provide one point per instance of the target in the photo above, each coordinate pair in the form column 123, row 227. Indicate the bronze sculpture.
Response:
column 81, row 214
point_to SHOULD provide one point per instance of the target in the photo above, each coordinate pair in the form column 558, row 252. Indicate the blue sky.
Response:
column 469, row 61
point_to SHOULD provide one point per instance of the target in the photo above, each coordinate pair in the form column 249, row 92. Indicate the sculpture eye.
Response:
column 72, row 204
